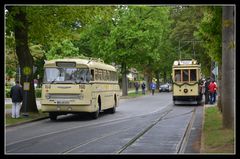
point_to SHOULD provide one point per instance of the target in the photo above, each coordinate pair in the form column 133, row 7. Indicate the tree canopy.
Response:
column 144, row 37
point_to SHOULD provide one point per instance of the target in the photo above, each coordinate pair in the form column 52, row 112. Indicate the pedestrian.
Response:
column 35, row 83
column 212, row 88
column 153, row 87
column 136, row 84
column 215, row 92
column 207, row 82
column 143, row 88
column 202, row 86
column 16, row 94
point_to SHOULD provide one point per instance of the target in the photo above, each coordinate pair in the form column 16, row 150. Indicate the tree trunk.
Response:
column 146, row 81
column 228, row 66
column 25, row 59
column 219, row 96
column 164, row 75
column 124, row 80
column 158, row 77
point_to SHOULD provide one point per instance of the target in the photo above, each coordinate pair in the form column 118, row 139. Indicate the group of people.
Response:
column 143, row 85
column 137, row 85
column 210, row 91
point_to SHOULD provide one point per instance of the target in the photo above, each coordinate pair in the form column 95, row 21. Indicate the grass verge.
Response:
column 133, row 95
column 22, row 119
column 216, row 139
column 8, row 106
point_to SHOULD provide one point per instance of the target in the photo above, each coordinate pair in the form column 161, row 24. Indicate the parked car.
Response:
column 165, row 87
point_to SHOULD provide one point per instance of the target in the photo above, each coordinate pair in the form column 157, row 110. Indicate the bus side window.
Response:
column 92, row 74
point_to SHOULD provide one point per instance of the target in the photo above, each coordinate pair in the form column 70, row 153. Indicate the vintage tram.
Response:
column 186, row 76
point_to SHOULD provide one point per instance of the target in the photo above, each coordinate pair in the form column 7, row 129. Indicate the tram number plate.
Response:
column 62, row 102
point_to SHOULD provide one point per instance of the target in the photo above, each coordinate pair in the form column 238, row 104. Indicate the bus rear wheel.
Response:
column 113, row 109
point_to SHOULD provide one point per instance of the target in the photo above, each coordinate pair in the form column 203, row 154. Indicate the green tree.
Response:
column 43, row 25
column 61, row 50
column 134, row 36
column 210, row 31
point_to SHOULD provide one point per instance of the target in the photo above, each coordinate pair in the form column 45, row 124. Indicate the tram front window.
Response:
column 185, row 75
column 178, row 75
column 193, row 75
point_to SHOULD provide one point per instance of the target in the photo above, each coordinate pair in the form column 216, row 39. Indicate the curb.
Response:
column 22, row 123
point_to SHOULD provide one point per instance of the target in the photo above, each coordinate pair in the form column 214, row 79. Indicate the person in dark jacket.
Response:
column 143, row 88
column 136, row 84
column 16, row 94
column 207, row 91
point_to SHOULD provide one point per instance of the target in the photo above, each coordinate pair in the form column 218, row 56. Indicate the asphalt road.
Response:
column 144, row 125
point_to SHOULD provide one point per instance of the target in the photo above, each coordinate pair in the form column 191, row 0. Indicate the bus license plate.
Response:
column 62, row 102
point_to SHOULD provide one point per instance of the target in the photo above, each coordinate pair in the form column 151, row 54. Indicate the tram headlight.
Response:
column 185, row 90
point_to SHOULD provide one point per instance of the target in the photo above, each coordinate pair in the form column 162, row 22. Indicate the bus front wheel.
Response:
column 53, row 116
column 95, row 114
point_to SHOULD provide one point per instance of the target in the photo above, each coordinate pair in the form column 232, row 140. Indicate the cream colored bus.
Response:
column 186, row 77
column 79, row 85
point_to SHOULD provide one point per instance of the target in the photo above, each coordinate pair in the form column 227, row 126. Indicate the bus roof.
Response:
column 91, row 63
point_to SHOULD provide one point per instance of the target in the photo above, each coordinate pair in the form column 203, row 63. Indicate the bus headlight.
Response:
column 81, row 96
column 47, row 96
column 47, row 86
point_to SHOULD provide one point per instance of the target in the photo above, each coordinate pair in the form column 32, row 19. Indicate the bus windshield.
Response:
column 66, row 75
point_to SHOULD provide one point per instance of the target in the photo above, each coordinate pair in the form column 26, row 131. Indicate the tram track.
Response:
column 142, row 132
column 163, row 116
column 98, row 124
column 116, row 132
column 181, row 147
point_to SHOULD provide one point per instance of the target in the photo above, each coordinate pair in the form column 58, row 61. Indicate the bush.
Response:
column 38, row 92
column 7, row 91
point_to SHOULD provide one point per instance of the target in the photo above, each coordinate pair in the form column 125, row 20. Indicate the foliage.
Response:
column 133, row 35
column 186, row 23
column 144, row 37
column 38, row 92
column 61, row 50
column 210, row 31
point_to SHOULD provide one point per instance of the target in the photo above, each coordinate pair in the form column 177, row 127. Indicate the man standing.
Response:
column 16, row 94
column 143, row 88
column 136, row 84
column 212, row 88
